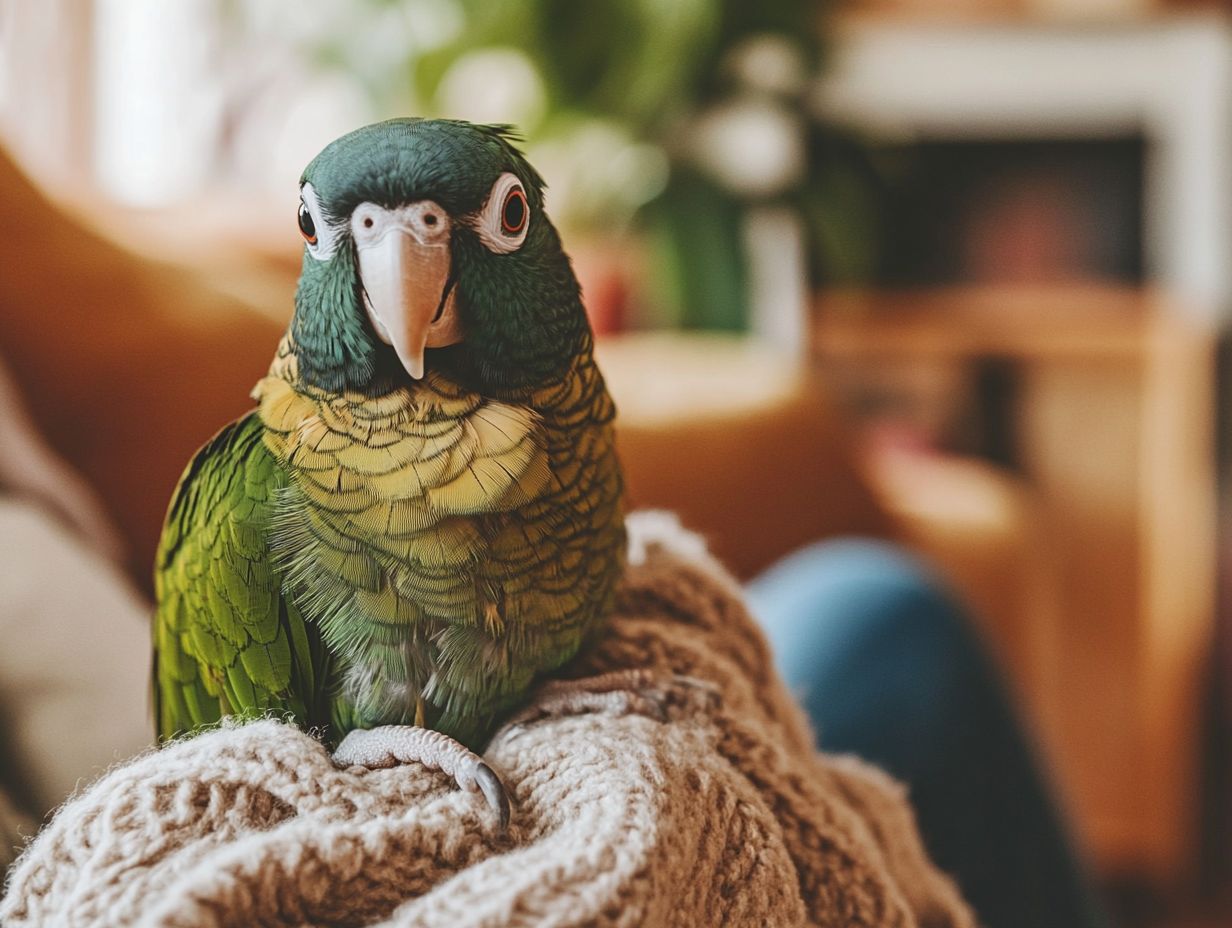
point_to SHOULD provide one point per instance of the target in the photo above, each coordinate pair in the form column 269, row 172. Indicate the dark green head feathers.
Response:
column 427, row 249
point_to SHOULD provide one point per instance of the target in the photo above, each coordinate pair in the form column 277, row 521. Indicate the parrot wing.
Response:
column 227, row 641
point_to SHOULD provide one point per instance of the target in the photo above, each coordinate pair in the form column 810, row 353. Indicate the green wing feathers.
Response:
column 226, row 639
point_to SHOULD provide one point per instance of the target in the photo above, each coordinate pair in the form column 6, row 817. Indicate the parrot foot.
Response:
column 391, row 745
column 619, row 692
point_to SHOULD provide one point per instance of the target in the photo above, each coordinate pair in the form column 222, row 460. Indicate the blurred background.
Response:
column 957, row 272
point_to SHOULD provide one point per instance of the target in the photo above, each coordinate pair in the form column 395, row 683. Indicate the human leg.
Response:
column 888, row 667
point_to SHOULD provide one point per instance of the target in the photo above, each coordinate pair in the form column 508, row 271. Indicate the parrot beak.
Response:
column 404, row 264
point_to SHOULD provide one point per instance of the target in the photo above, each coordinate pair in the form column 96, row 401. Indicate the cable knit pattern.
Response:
column 712, row 809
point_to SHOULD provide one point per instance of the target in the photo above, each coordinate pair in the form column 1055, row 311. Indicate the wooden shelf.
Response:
column 1115, row 425
column 1083, row 322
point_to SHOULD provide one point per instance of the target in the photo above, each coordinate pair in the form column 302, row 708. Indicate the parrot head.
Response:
column 426, row 248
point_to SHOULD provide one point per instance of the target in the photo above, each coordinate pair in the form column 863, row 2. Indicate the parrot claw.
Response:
column 391, row 745
column 494, row 792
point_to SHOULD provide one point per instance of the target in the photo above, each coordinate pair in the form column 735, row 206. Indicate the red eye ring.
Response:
column 514, row 212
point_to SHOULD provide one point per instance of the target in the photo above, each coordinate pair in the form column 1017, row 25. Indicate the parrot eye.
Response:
column 503, row 221
column 513, row 214
column 307, row 227
column 319, row 233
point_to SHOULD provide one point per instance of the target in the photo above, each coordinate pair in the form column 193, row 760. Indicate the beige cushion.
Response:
column 75, row 661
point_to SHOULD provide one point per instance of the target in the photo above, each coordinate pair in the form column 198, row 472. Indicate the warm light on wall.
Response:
column 155, row 117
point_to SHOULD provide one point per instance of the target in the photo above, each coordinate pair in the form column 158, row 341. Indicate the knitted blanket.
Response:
column 705, row 804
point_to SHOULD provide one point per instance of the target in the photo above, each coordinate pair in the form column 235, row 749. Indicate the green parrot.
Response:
column 423, row 514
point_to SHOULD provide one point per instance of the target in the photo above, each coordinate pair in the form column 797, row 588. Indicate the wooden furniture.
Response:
column 128, row 365
column 1114, row 422
column 737, row 440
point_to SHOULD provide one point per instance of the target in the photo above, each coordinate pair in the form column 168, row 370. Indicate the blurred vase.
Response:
column 603, row 270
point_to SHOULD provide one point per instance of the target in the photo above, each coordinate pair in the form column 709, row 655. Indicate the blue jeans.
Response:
column 888, row 668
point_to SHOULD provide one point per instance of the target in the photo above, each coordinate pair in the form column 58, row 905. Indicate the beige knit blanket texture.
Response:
column 702, row 805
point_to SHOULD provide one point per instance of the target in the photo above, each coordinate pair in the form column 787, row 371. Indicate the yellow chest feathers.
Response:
column 396, row 464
